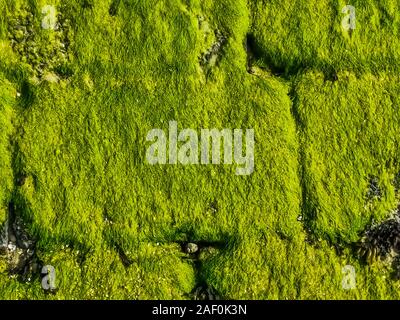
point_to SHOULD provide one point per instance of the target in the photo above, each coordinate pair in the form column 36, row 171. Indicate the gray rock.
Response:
column 12, row 238
column 191, row 248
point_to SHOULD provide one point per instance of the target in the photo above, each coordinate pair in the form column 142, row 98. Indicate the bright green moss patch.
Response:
column 350, row 136
column 92, row 185
column 7, row 101
column 73, row 147
column 265, row 266
column 293, row 35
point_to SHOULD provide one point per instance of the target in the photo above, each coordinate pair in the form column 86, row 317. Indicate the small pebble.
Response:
column 191, row 248
column 12, row 238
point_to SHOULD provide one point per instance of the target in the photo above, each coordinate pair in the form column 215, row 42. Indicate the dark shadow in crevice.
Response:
column 28, row 94
column 202, row 289
column 21, row 247
column 87, row 4
column 308, row 211
column 126, row 261
column 199, row 251
column 113, row 10
column 256, row 56
column 330, row 75
column 204, row 292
